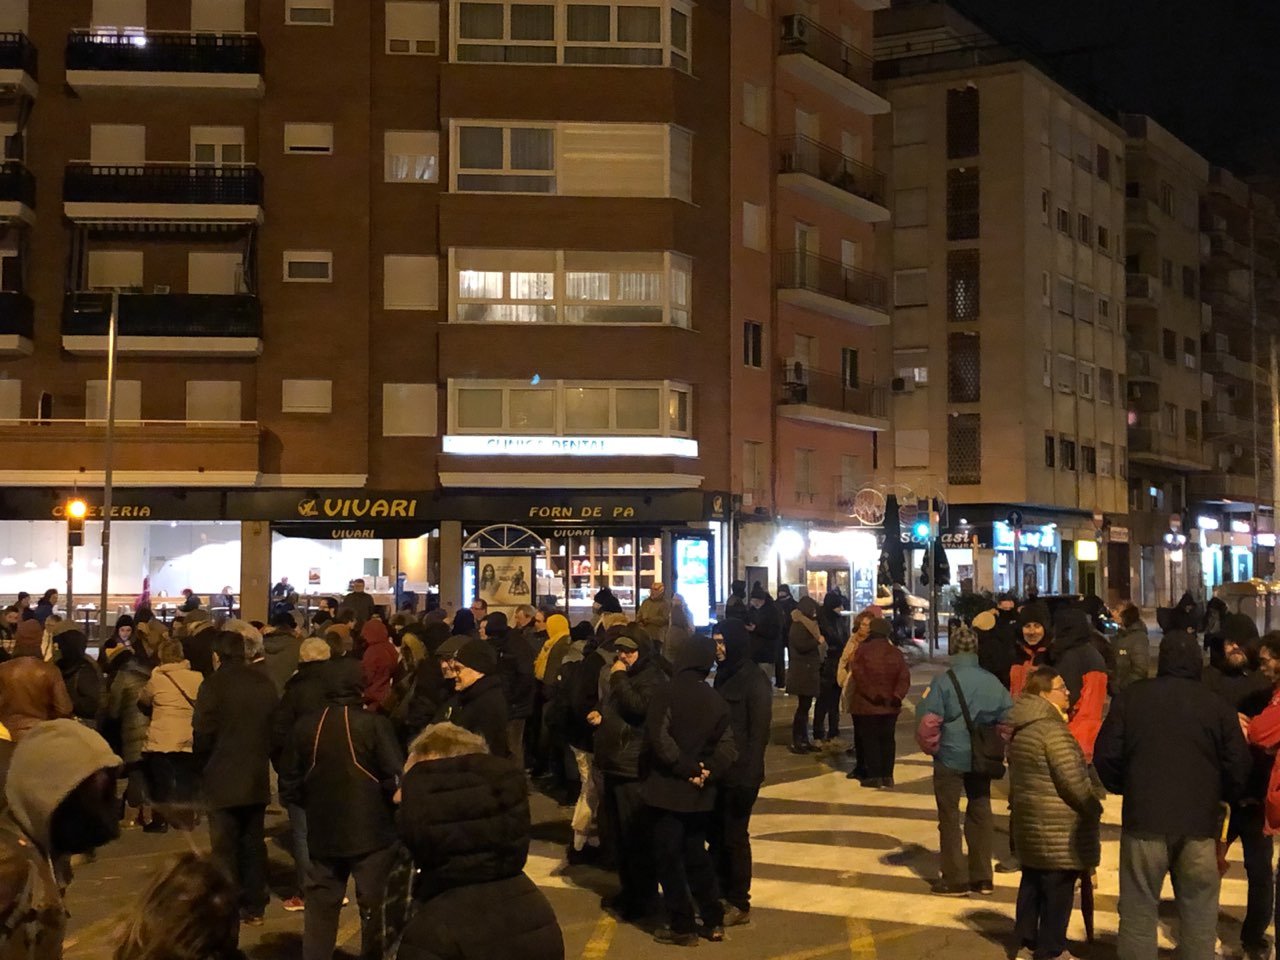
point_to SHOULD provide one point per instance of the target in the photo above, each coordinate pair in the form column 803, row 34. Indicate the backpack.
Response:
column 986, row 745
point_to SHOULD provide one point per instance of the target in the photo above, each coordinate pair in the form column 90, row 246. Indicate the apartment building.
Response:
column 1008, row 286
column 523, row 299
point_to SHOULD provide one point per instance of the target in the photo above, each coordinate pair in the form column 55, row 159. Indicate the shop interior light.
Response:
column 788, row 543
column 30, row 565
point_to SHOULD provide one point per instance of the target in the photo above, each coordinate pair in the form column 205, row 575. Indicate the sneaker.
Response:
column 1008, row 866
column 251, row 919
column 714, row 934
column 853, row 775
column 950, row 889
column 294, row 905
column 984, row 887
column 669, row 937
column 735, row 917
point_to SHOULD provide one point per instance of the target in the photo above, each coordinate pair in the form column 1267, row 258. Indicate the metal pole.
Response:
column 71, row 610
column 107, row 454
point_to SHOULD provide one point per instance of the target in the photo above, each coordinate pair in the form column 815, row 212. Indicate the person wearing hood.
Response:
column 1132, row 647
column 690, row 749
column 578, row 696
column 197, row 641
column 280, row 645
column 478, row 703
column 549, row 750
column 1173, row 748
column 516, row 674
column 231, row 737
column 61, row 800
column 378, row 664
column 604, row 602
column 633, row 680
column 998, row 634
column 121, row 634
column 342, row 765
column 31, row 689
column 430, row 686
column 1033, row 644
column 1183, row 617
column 82, row 677
column 881, row 679
column 747, row 692
column 826, row 711
column 807, row 650
column 764, row 625
column 1053, row 813
column 1076, row 659
column 735, row 608
column 654, row 615
column 128, row 731
column 464, row 624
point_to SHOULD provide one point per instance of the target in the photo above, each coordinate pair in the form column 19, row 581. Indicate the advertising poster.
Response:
column 504, row 582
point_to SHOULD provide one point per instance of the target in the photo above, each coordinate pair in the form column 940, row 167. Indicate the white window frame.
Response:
column 667, row 390
column 306, row 396
column 307, row 256
column 1085, row 379
column 293, row 5
column 393, row 142
column 297, row 144
column 425, row 45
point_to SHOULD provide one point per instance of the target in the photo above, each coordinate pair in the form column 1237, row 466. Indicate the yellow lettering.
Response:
column 413, row 508
column 399, row 508
column 359, row 507
column 335, row 508
column 593, row 512
column 146, row 512
column 379, row 508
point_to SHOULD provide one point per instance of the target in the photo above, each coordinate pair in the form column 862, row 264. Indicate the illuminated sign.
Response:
column 357, row 507
column 515, row 446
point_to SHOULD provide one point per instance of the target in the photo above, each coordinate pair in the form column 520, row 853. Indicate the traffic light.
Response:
column 921, row 530
column 77, row 510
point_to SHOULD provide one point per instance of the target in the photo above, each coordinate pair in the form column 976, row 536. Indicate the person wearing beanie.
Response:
column 515, row 672
column 1033, row 644
column 31, row 689
column 735, row 607
column 943, row 734
column 478, row 703
column 690, row 749
column 807, row 649
column 881, row 679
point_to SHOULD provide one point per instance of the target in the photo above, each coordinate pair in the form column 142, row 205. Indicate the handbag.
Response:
column 986, row 745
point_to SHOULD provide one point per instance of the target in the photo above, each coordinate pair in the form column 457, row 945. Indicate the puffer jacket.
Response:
column 1082, row 667
column 1054, row 811
column 620, row 737
column 171, row 693
column 128, row 721
column 805, row 649
column 881, row 678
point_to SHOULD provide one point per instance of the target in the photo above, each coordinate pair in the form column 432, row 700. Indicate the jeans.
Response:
column 630, row 837
column 298, row 842
column 800, row 722
column 684, row 868
column 947, row 787
column 826, row 716
column 1045, row 898
column 877, row 749
column 326, row 886
column 1193, row 864
column 238, row 839
column 730, row 842
column 1247, row 823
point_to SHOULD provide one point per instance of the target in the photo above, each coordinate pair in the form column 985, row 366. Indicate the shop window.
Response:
column 409, row 409
column 315, row 139
column 964, row 449
column 911, row 207
column 410, row 282
column 963, row 221
column 309, row 13
column 962, row 123
column 1067, row 454
column 128, row 400
column 306, row 396
column 964, row 368
column 213, row 401
column 413, row 27
column 910, row 288
column 963, row 270
column 567, row 408
column 752, row 344
column 411, row 156
column 308, row 266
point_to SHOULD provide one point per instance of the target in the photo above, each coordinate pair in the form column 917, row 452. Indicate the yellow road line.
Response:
column 597, row 947
column 349, row 928
column 862, row 945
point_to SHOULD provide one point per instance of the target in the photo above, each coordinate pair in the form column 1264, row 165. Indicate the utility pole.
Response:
column 107, row 455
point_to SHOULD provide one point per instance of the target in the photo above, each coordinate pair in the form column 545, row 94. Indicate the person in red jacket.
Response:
column 1082, row 667
column 1033, row 648
column 1264, row 729
column 880, row 678
column 378, row 663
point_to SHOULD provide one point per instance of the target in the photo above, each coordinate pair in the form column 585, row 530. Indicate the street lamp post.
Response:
column 107, row 455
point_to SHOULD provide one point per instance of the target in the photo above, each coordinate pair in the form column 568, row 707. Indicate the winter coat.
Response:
column 231, row 735
column 546, row 665
column 1247, row 692
column 378, row 663
column 342, row 765
column 749, row 695
column 430, row 692
column 1084, row 671
column 31, row 691
column 281, row 651
column 580, row 692
column 687, row 728
column 361, row 604
column 122, row 707
column 619, row 740
column 465, row 820
column 998, row 644
column 83, row 678
column 806, row 650
column 989, row 704
column 1053, row 810
column 197, row 647
column 170, row 692
column 1028, row 658
column 831, row 624
column 654, row 616
column 305, row 694
column 767, row 633
column 880, row 677
column 1264, row 734
column 1132, row 646
column 1173, row 748
column 515, row 670
column 482, row 709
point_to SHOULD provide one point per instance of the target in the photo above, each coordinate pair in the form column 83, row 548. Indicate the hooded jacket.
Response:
column 281, row 649
column 619, row 739
column 557, row 641
column 1084, row 671
column 82, row 677
column 749, row 695
column 998, row 634
column 515, row 670
column 832, row 626
column 767, row 624
column 31, row 691
column 378, row 663
column 53, row 759
column 806, row 650
column 1132, row 646
column 1173, row 748
column 122, row 711
column 1054, row 812
column 305, row 694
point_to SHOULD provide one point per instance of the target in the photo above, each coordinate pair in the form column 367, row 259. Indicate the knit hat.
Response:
column 478, row 655
column 1238, row 628
column 962, row 639
column 879, row 627
column 1035, row 612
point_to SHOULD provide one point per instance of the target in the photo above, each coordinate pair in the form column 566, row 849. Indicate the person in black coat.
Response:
column 431, row 688
column 515, row 671
column 342, row 764
column 1173, row 748
column 831, row 624
column 765, row 626
column 82, row 677
column 464, row 818
column 478, row 703
column 634, row 678
column 998, row 634
column 689, row 749
column 231, row 739
column 735, row 608
column 750, row 699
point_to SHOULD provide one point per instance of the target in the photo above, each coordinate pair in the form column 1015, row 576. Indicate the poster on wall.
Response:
column 504, row 582
column 313, row 577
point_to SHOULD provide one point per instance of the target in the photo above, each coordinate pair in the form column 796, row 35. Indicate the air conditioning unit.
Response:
column 160, row 288
column 795, row 29
column 794, row 372
column 902, row 385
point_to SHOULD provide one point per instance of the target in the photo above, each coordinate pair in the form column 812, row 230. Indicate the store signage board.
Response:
column 508, row 446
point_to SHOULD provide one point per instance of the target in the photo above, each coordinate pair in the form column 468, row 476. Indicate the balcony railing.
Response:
column 17, row 184
column 807, row 271
column 165, row 51
column 802, row 35
column 952, row 53
column 834, row 392
column 1153, row 442
column 88, row 314
column 176, row 183
column 17, row 315
column 802, row 155
column 1142, row 286
column 18, row 53
column 1144, row 364
column 1140, row 212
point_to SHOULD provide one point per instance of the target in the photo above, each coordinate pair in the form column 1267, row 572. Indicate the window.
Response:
column 1046, row 206
column 752, row 461
column 1122, row 463
column 912, row 366
column 1084, row 229
column 1062, row 135
column 1064, row 373
column 1190, row 280
column 1106, row 385
column 1189, row 349
column 566, row 408
column 910, row 288
column 910, row 125
column 964, row 368
column 963, row 270
column 306, row 396
column 1084, row 378
column 635, row 33
column 1064, row 296
column 413, row 27
column 410, row 282
column 752, row 344
column 1067, row 454
column 117, row 143
column 962, row 123
column 1167, row 202
column 1050, row 448
column 754, row 222
column 1084, row 304
column 409, row 410
column 1088, row 458
column 315, row 13
column 128, row 400
column 1169, row 343
column 1046, row 292
column 308, row 138
column 217, row 146
column 849, row 374
column 911, row 207
column 1103, row 164
column 1084, row 150
column 1191, row 423
column 964, row 449
column 1106, row 459
column 570, row 286
column 1064, row 221
column 1104, row 239
column 308, row 266
column 963, row 221
column 411, row 156
column 851, row 476
column 755, row 106
column 213, row 401
column 1169, row 419
column 1104, row 313
column 804, row 474
column 1166, row 272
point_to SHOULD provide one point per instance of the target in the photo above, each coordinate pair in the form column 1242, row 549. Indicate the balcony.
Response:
column 815, row 396
column 18, row 63
column 829, row 287
column 165, row 60
column 828, row 176
column 1147, row 445
column 1219, row 486
column 824, row 60
column 1224, row 363
column 17, row 324
column 1226, row 302
column 1141, row 214
column 1142, row 289
column 17, row 193
column 1224, row 247
column 145, row 453
column 1145, row 365
column 164, row 324
column 163, row 192
column 1223, row 424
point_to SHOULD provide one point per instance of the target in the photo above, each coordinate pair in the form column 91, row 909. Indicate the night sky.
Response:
column 1208, row 70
